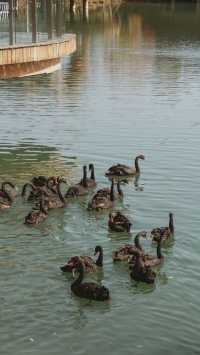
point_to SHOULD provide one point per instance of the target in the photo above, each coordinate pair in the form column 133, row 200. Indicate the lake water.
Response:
column 132, row 87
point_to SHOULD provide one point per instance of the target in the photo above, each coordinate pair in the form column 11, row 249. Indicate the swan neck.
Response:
column 99, row 261
column 25, row 187
column 137, row 168
column 138, row 263
column 159, row 254
column 112, row 191
column 8, row 196
column 84, row 177
column 80, row 277
column 137, row 242
column 42, row 208
column 49, row 185
column 171, row 224
column 120, row 192
column 4, row 184
column 24, row 190
column 92, row 177
column 59, row 193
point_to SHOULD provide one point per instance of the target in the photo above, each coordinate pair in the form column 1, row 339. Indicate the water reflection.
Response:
column 163, row 278
column 33, row 21
column 140, row 25
column 131, row 180
column 134, row 33
column 119, row 236
column 25, row 160
column 141, row 287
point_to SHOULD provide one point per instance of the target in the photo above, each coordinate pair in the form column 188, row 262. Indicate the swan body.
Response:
column 91, row 182
column 118, row 222
column 150, row 260
column 76, row 190
column 6, row 195
column 126, row 252
column 56, row 199
column 124, row 170
column 104, row 198
column 40, row 185
column 36, row 216
column 89, row 290
column 34, row 193
column 80, row 188
column 9, row 188
column 164, row 233
column 39, row 181
column 52, row 184
column 90, row 265
column 140, row 271
column 5, row 204
column 153, row 261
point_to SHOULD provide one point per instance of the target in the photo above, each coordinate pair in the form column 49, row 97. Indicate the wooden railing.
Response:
column 38, row 51
column 4, row 6
column 4, row 10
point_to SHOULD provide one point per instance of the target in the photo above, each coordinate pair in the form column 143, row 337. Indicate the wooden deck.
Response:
column 29, row 59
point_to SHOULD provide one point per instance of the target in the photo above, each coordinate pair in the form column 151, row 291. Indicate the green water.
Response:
column 131, row 88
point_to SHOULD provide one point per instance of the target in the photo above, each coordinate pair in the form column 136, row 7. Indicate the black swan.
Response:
column 126, row 252
column 118, row 222
column 165, row 233
column 80, row 188
column 89, row 290
column 90, row 265
column 123, row 170
column 37, row 215
column 141, row 272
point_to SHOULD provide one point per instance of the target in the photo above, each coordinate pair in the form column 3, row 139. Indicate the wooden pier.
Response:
column 35, row 58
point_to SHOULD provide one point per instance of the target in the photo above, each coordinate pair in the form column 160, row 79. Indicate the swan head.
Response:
column 91, row 166
column 98, row 249
column 141, row 156
column 78, row 267
column 142, row 234
column 39, row 180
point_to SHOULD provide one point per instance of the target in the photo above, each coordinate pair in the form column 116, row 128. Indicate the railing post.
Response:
column 27, row 16
column 34, row 21
column 71, row 6
column 49, row 18
column 11, row 22
column 85, row 10
column 58, row 18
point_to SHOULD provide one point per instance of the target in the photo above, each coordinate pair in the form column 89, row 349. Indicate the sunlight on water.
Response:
column 131, row 88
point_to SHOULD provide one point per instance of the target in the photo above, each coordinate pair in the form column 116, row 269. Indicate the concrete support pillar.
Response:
column 198, row 5
column 172, row 5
